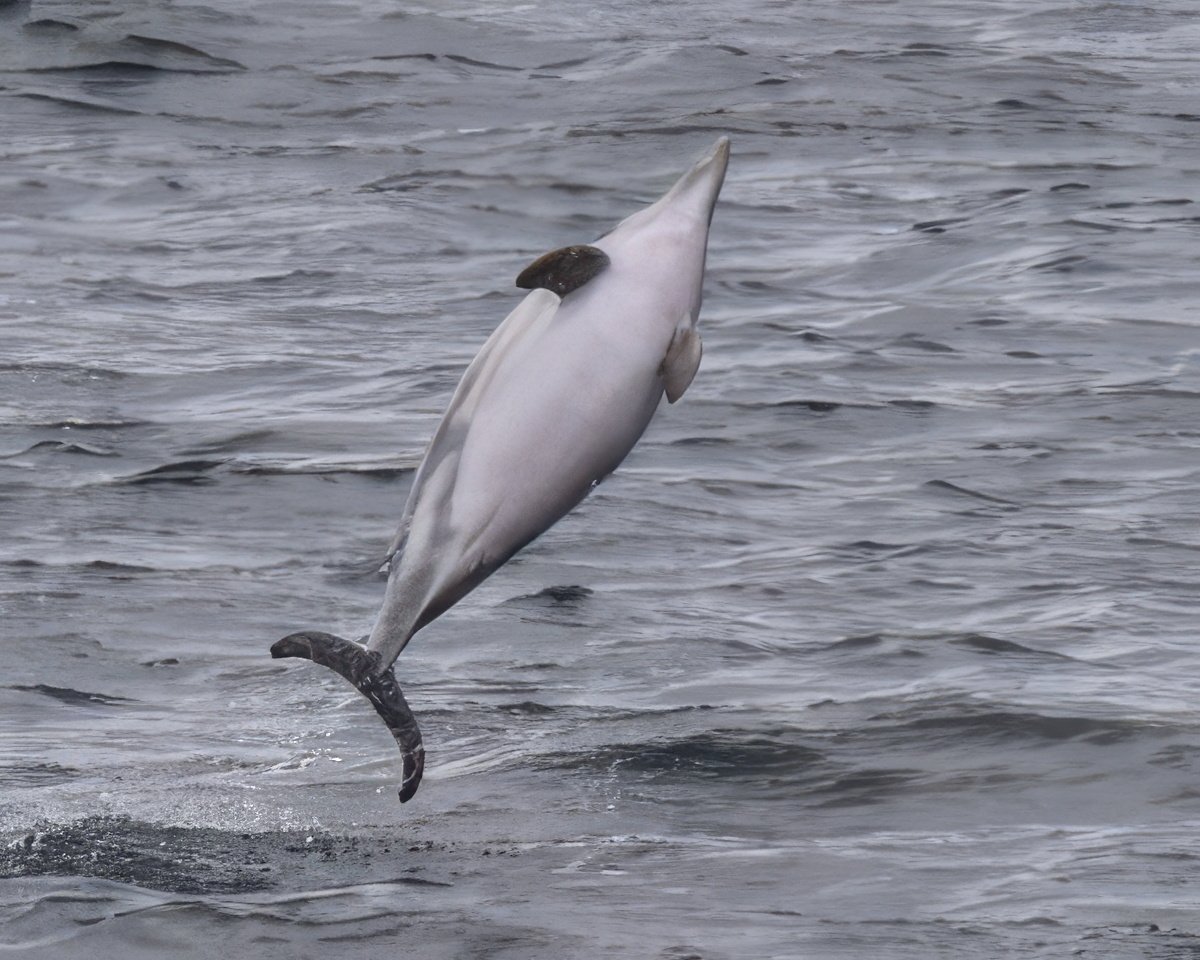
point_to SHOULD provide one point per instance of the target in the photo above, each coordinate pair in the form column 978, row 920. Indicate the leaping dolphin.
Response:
column 552, row 403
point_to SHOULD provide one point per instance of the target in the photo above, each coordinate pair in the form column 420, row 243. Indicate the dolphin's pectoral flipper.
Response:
column 679, row 366
column 361, row 667
column 563, row 270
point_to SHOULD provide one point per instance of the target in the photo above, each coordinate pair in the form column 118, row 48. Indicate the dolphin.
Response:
column 555, row 399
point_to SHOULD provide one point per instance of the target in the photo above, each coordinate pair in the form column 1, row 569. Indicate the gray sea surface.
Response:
column 882, row 643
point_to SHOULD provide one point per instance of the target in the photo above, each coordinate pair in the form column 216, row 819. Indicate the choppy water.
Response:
column 882, row 642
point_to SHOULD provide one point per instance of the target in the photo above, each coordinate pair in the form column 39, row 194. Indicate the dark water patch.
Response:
column 1010, row 445
column 1007, row 193
column 71, row 373
column 119, row 290
column 567, row 595
column 379, row 471
column 486, row 64
column 158, row 45
column 563, row 64
column 182, row 471
column 756, row 286
column 1179, row 756
column 49, row 595
column 866, row 787
column 396, row 183
column 921, row 406
column 967, row 492
column 114, row 567
column 78, row 103
column 239, row 441
column 195, row 860
column 62, row 446
column 718, row 754
column 938, row 226
column 1161, row 542
column 995, row 645
column 46, row 25
column 526, row 708
column 35, row 775
column 106, row 69
column 816, row 406
column 864, row 642
column 924, row 50
column 576, row 189
column 1103, row 227
column 1002, row 725
column 920, row 343
column 1161, row 202
column 1066, row 264
column 808, row 336
column 927, row 582
column 874, row 647
column 293, row 275
column 667, row 130
column 428, row 57
column 1174, row 220
column 1053, row 586
column 422, row 881
column 897, row 549
column 871, row 548
column 110, row 569
column 131, row 55
column 702, row 442
column 72, row 697
column 1147, row 389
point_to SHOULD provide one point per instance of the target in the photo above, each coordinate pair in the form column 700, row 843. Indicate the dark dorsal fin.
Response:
column 563, row 270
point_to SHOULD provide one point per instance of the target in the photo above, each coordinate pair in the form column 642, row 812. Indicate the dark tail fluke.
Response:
column 361, row 667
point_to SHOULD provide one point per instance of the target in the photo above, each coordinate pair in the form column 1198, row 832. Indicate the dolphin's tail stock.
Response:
column 361, row 667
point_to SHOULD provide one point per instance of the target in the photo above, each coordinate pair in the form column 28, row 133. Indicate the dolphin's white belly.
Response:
column 562, row 408
column 541, row 438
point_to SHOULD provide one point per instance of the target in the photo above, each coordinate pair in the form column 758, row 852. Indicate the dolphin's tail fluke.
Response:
column 361, row 667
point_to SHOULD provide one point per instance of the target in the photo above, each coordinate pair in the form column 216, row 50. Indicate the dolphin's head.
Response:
column 690, row 201
column 696, row 191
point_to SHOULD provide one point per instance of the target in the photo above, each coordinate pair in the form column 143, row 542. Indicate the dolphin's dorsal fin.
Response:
column 563, row 270
column 682, row 361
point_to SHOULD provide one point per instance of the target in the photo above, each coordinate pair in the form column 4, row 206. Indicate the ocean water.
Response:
column 882, row 643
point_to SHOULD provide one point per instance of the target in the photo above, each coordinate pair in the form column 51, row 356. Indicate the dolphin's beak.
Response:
column 697, row 189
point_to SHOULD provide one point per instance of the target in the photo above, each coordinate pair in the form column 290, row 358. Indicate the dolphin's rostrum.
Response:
column 552, row 403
